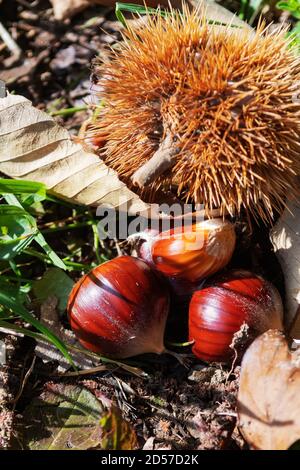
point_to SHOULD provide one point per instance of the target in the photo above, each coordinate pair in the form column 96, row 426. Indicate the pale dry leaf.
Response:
column 269, row 398
column 285, row 237
column 216, row 12
column 35, row 148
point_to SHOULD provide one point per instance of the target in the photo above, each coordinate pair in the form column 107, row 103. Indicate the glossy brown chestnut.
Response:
column 191, row 253
column 219, row 310
column 120, row 308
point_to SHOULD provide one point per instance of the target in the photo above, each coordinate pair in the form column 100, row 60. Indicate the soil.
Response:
column 175, row 408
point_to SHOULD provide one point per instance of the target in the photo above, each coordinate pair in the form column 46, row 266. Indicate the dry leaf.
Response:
column 34, row 147
column 285, row 237
column 118, row 434
column 269, row 398
column 63, row 417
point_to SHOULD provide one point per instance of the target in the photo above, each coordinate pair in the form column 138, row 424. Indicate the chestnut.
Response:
column 218, row 311
column 120, row 308
column 190, row 253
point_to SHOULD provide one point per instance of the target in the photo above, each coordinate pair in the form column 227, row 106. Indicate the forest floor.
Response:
column 174, row 407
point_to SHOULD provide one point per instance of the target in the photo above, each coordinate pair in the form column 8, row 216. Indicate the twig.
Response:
column 10, row 42
column 24, row 381
column 93, row 370
column 219, row 413
column 226, row 413
column 163, row 159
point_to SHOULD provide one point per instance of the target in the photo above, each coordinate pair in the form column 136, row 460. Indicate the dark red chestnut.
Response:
column 219, row 310
column 120, row 309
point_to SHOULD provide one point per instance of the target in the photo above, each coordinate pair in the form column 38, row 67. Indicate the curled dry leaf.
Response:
column 35, row 148
column 269, row 398
column 285, row 237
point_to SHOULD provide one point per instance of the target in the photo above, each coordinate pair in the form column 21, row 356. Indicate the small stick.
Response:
column 77, row 373
column 24, row 381
column 163, row 159
column 10, row 42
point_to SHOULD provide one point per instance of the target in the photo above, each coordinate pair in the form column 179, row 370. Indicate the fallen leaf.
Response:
column 118, row 434
column 218, row 13
column 34, row 147
column 285, row 237
column 64, row 417
column 269, row 398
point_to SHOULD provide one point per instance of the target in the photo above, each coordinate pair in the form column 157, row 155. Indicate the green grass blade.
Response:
column 39, row 238
column 135, row 9
column 21, row 187
column 12, row 200
column 17, row 228
column 11, row 326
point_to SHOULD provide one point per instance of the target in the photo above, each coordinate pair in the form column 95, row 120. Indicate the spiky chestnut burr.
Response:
column 206, row 109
